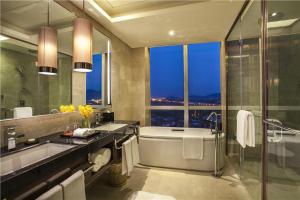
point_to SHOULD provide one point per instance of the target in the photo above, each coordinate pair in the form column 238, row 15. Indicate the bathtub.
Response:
column 162, row 147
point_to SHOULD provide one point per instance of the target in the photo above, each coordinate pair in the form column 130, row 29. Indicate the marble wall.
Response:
column 39, row 126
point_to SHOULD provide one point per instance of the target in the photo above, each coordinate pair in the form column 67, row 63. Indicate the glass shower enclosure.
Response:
column 263, row 77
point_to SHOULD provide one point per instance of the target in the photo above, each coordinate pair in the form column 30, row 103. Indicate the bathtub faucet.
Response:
column 213, row 117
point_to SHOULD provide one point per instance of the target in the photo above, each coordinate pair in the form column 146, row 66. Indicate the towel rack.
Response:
column 117, row 141
column 292, row 131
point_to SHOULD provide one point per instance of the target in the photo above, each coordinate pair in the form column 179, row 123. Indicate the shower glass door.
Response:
column 283, row 100
column 244, row 92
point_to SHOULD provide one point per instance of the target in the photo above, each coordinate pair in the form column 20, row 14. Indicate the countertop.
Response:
column 100, row 139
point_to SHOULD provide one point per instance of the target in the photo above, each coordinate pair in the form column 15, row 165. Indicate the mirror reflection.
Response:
column 24, row 91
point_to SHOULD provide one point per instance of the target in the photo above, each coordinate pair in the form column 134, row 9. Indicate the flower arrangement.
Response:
column 86, row 112
column 67, row 108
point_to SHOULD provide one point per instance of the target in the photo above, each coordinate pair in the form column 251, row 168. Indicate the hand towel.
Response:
column 126, row 158
column 241, row 129
column 250, row 139
column 193, row 147
column 74, row 187
column 135, row 150
column 245, row 128
column 22, row 112
column 55, row 193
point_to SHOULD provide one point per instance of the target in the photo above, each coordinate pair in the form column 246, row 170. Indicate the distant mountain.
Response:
column 93, row 94
column 212, row 98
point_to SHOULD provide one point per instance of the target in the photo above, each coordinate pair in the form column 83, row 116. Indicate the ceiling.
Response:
column 147, row 23
column 23, row 19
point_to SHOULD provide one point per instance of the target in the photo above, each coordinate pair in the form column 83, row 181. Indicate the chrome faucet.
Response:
column 12, row 137
column 210, row 118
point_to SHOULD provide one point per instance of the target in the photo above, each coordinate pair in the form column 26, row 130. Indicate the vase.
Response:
column 86, row 123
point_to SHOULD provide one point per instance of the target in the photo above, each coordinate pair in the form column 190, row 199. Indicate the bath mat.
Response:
column 140, row 195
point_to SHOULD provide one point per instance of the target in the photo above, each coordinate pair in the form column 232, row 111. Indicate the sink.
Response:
column 110, row 127
column 21, row 159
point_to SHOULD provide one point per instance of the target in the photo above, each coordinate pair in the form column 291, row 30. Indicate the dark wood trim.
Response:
column 237, row 18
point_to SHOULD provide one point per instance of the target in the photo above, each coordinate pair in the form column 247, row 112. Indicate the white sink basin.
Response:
column 110, row 127
column 30, row 156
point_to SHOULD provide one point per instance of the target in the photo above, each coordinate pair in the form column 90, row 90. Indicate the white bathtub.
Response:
column 162, row 147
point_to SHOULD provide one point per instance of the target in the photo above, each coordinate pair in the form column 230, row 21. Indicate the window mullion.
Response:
column 186, row 86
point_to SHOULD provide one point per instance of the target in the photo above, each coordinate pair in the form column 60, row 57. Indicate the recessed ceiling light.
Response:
column 171, row 32
column 274, row 14
column 3, row 38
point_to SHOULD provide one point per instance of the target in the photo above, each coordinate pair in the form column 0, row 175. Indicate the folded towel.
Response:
column 73, row 187
column 55, row 193
column 245, row 128
column 127, row 166
column 82, row 132
column 22, row 112
column 193, row 147
column 135, row 150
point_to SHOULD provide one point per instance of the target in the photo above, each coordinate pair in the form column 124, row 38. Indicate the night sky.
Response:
column 94, row 78
column 167, row 75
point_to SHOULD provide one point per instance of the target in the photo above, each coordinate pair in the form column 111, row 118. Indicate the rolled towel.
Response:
column 81, row 132
column 96, row 167
column 105, row 155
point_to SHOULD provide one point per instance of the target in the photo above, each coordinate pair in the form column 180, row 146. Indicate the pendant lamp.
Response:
column 82, row 44
column 47, row 50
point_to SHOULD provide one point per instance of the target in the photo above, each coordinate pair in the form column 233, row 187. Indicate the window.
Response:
column 204, row 74
column 94, row 82
column 166, row 76
column 169, row 118
column 170, row 104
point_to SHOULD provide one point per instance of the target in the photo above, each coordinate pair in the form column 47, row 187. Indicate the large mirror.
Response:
column 24, row 92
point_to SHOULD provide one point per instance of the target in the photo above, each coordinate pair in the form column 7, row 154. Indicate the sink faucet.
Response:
column 12, row 137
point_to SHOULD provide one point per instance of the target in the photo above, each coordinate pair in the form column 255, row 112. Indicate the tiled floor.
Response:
column 180, row 184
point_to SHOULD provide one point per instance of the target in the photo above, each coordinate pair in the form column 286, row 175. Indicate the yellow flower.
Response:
column 85, row 111
column 67, row 108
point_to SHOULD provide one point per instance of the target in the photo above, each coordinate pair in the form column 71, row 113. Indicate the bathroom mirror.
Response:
column 21, row 85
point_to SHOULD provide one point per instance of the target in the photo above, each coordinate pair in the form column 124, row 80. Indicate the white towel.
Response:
column 250, row 140
column 100, row 158
column 22, row 112
column 105, row 155
column 82, row 132
column 73, row 187
column 127, row 166
column 245, row 128
column 55, row 193
column 193, row 147
column 135, row 150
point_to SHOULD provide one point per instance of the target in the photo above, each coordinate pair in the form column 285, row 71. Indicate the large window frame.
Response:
column 186, row 107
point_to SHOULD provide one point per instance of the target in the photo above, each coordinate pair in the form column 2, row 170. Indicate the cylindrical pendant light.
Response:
column 82, row 45
column 47, row 49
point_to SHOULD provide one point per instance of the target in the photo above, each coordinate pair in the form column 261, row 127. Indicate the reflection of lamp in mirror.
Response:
column 82, row 45
column 47, row 49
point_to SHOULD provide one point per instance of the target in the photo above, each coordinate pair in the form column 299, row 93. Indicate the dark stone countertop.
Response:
column 99, row 139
